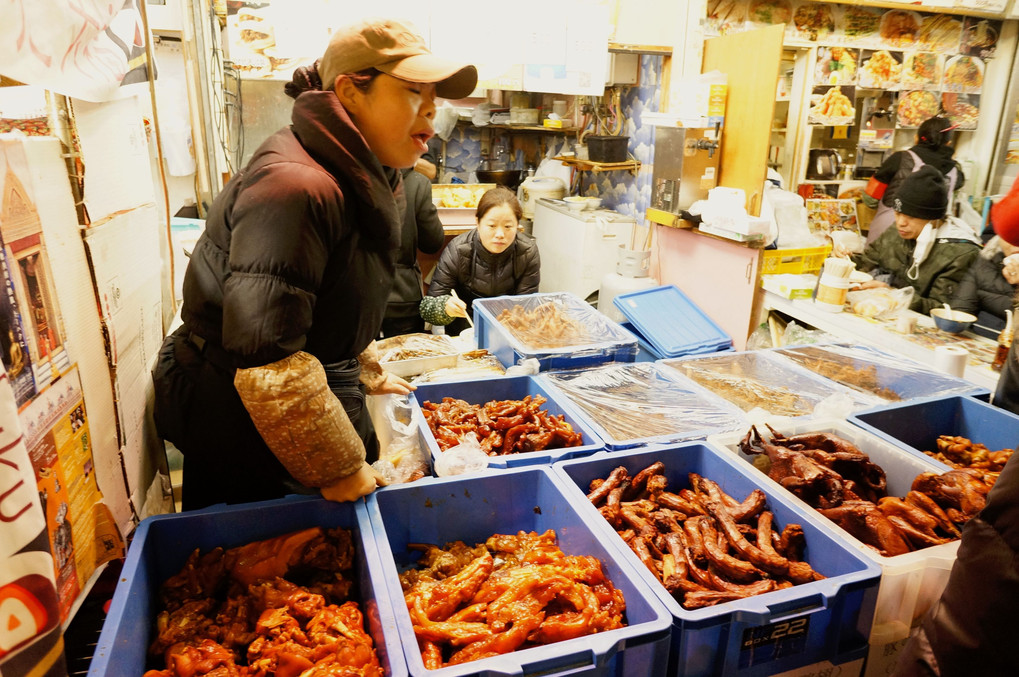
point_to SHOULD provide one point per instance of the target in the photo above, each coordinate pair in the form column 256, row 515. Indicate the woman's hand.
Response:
column 1010, row 269
column 353, row 487
column 393, row 385
column 874, row 284
column 455, row 307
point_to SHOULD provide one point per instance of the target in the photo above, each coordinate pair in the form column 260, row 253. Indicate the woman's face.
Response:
column 498, row 228
column 394, row 116
column 909, row 227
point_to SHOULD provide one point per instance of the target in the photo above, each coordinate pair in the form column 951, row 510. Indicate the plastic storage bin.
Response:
column 796, row 261
column 915, row 426
column 910, row 583
column 162, row 544
column 629, row 405
column 472, row 509
column 606, row 148
column 758, row 635
column 881, row 376
column 507, row 388
column 608, row 343
column 761, row 380
column 671, row 322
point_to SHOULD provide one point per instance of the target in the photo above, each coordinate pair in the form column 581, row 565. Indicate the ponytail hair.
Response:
column 935, row 132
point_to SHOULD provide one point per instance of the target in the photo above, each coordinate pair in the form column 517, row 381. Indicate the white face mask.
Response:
column 924, row 243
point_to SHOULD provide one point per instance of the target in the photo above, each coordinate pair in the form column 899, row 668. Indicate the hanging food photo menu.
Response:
column 832, row 106
column 836, row 65
column 881, row 69
column 936, row 61
column 980, row 37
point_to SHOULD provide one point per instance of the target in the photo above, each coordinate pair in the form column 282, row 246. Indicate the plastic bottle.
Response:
column 1004, row 343
column 631, row 275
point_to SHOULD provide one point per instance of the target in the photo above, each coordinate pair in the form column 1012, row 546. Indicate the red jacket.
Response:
column 1005, row 215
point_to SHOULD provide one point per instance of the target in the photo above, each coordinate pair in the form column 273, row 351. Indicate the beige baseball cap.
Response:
column 394, row 48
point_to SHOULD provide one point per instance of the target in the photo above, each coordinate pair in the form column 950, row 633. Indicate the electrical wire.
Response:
column 227, row 105
column 150, row 70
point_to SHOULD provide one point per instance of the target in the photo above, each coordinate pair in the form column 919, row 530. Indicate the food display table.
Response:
column 918, row 346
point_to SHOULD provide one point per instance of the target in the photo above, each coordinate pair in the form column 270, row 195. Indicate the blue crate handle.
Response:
column 777, row 613
column 576, row 663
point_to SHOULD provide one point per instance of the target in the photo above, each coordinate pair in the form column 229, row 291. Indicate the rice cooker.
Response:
column 537, row 187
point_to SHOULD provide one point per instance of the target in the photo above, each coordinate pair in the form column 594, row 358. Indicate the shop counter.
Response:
column 918, row 346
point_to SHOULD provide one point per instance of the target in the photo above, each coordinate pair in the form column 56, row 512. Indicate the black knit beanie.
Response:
column 923, row 194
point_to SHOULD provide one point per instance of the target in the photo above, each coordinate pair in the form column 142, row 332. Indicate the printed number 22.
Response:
column 789, row 628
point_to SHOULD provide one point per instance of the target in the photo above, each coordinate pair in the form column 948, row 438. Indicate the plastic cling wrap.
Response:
column 869, row 370
column 411, row 354
column 644, row 402
column 757, row 381
column 553, row 322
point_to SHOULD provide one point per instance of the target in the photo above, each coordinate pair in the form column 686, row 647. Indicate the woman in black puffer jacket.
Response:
column 988, row 290
column 494, row 259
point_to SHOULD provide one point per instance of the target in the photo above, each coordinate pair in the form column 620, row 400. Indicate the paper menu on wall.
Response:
column 824, row 216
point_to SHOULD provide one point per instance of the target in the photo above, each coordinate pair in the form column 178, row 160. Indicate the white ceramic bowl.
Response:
column 576, row 203
column 592, row 203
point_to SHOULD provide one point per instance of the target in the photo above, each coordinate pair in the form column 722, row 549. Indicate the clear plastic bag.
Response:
column 412, row 346
column 874, row 372
column 878, row 303
column 553, row 323
column 401, row 456
column 466, row 457
column 758, row 381
column 632, row 402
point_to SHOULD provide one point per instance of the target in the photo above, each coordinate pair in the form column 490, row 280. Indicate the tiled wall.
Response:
column 622, row 191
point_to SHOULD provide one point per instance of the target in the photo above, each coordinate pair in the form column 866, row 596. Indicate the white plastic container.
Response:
column 632, row 274
column 831, row 293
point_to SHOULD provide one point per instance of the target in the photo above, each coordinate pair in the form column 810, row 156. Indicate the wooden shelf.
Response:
column 591, row 166
column 533, row 128
column 626, row 48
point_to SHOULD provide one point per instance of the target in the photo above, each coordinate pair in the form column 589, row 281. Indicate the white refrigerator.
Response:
column 579, row 248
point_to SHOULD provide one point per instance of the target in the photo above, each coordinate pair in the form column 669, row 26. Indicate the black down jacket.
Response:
column 474, row 272
column 297, row 252
column 984, row 289
column 970, row 630
column 423, row 231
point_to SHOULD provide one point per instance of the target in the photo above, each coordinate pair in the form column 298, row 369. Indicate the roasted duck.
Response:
column 838, row 479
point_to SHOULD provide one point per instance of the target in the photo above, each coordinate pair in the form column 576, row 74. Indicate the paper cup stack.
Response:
column 834, row 284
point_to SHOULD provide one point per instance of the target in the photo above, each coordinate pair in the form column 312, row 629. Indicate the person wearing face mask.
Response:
column 494, row 259
column 927, row 249
column 262, row 387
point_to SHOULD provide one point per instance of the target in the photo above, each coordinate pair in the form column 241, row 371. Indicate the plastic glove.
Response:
column 353, row 487
column 393, row 385
column 455, row 307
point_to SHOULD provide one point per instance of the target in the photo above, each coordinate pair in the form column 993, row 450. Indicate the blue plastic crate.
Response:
column 630, row 405
column 904, row 377
column 910, row 583
column 162, row 544
column 739, row 371
column 614, row 345
column 505, row 388
column 760, row 635
column 645, row 351
column 915, row 426
column 671, row 322
column 472, row 509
